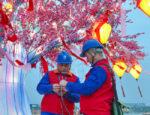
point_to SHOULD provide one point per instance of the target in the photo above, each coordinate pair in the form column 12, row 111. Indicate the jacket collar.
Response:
column 101, row 61
column 69, row 73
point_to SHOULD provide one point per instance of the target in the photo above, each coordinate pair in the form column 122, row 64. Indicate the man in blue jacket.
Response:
column 97, row 90
column 57, row 100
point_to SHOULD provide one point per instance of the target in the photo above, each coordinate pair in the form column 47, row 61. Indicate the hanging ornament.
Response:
column 101, row 31
column 120, row 67
column 135, row 72
column 7, row 8
column 144, row 5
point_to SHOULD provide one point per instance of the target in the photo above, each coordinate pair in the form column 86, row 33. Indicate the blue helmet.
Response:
column 64, row 58
column 91, row 43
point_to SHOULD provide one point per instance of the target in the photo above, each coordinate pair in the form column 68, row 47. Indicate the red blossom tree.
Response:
column 45, row 26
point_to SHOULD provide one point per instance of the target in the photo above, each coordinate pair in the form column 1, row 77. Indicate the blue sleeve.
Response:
column 44, row 86
column 73, row 97
column 96, row 79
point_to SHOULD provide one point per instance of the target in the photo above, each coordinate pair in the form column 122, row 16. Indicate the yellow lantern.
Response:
column 144, row 5
column 101, row 32
column 135, row 71
column 8, row 8
column 119, row 67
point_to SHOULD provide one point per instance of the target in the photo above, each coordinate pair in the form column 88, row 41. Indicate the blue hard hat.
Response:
column 91, row 43
column 64, row 58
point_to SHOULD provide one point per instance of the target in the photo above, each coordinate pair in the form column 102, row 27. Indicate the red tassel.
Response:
column 44, row 64
column 122, row 91
column 19, row 62
column 73, row 53
column 30, row 5
column 140, row 91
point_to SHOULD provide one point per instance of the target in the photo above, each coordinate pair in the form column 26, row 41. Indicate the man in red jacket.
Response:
column 57, row 100
column 97, row 91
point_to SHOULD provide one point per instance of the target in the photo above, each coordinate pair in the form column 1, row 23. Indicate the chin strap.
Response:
column 93, row 55
column 92, row 60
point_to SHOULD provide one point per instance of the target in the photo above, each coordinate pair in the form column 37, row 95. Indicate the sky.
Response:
column 130, row 85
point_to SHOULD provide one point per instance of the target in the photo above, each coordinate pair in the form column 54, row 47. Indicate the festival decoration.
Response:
column 135, row 72
column 101, row 31
column 7, row 8
column 120, row 67
column 36, row 30
column 144, row 5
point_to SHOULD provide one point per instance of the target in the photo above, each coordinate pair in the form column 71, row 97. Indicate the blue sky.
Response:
column 130, row 85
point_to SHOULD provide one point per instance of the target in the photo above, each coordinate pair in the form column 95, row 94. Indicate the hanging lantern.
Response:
column 144, row 5
column 135, row 71
column 119, row 68
column 8, row 8
column 101, row 31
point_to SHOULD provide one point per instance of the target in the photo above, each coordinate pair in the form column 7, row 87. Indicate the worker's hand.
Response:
column 56, row 88
column 63, row 91
column 63, row 83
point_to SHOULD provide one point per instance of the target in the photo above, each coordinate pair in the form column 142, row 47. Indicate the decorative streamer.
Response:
column 126, row 50
column 72, row 52
column 123, row 17
column 75, row 49
column 51, row 65
column 44, row 64
column 21, row 65
column 145, row 71
column 19, row 62
column 30, row 5
column 123, row 22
